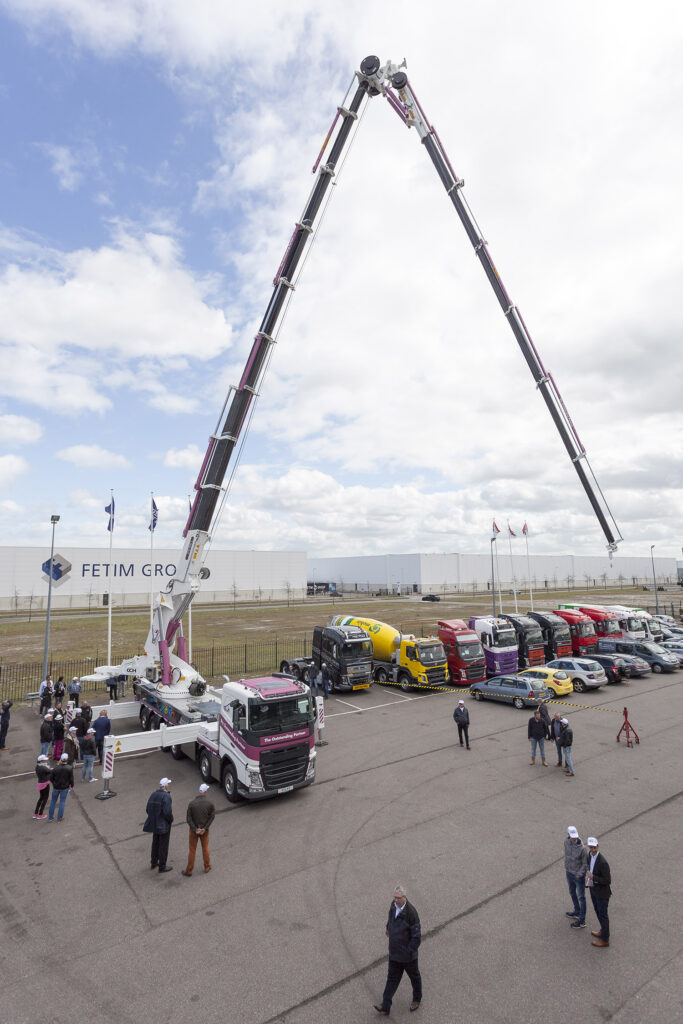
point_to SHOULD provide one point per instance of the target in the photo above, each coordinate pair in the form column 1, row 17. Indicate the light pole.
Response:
column 654, row 578
column 54, row 520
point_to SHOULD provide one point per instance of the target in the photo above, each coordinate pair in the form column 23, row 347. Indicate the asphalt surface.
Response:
column 289, row 924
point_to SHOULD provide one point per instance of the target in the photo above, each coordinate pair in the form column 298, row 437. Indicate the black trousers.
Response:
column 463, row 730
column 160, row 841
column 394, row 975
column 600, row 907
column 42, row 800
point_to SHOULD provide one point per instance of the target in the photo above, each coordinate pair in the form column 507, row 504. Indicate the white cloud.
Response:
column 185, row 458
column 11, row 467
column 16, row 430
column 67, row 166
column 87, row 455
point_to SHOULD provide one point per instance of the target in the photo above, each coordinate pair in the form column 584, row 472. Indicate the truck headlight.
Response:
column 310, row 771
column 422, row 677
column 255, row 780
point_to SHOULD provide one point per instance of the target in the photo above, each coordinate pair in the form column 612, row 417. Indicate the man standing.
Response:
column 536, row 732
column 575, row 862
column 556, row 735
column 74, row 690
column 461, row 717
column 79, row 723
column 46, row 691
column 58, row 736
column 159, row 819
column 325, row 679
column 313, row 678
column 112, row 684
column 599, row 882
column 200, row 815
column 404, row 934
column 88, row 751
column 566, row 739
column 62, row 783
column 102, row 728
column 71, row 745
column 4, row 722
column 46, row 733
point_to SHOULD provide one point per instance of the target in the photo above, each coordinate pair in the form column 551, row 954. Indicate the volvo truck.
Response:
column 401, row 658
column 530, row 646
column 347, row 653
column 499, row 642
column 466, row 659
column 557, row 639
column 582, row 630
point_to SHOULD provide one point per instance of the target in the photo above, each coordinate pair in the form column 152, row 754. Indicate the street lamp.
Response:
column 54, row 520
column 654, row 578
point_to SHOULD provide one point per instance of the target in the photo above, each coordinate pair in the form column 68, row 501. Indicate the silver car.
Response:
column 584, row 673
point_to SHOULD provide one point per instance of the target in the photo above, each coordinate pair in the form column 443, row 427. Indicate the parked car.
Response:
column 554, row 679
column 511, row 690
column 674, row 647
column 584, row 673
column 431, row 597
column 616, row 668
column 638, row 666
column 666, row 620
column 659, row 659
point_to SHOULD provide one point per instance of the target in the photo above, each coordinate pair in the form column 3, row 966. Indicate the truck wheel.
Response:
column 404, row 682
column 381, row 676
column 145, row 719
column 284, row 666
column 578, row 685
column 656, row 667
column 229, row 783
column 518, row 702
column 177, row 752
column 204, row 764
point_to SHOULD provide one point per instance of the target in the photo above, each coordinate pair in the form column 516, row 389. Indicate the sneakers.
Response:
column 41, row 817
column 578, row 924
column 94, row 779
column 571, row 913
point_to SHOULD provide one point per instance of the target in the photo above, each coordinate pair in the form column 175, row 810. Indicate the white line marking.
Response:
column 348, row 704
column 119, row 757
column 373, row 707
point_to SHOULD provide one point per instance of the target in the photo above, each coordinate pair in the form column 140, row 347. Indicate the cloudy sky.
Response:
column 155, row 159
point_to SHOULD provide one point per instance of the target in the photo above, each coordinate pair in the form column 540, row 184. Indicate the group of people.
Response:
column 199, row 816
column 542, row 727
column 81, row 741
column 49, row 691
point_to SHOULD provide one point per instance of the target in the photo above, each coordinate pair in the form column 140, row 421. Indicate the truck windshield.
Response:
column 504, row 638
column 471, row 651
column 585, row 629
column 430, row 655
column 281, row 715
column 357, row 649
column 561, row 633
column 634, row 625
column 610, row 626
column 534, row 636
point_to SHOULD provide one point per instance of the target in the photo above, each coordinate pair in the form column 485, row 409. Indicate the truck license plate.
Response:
column 285, row 789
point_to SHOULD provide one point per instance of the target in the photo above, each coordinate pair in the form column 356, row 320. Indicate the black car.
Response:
column 637, row 665
column 615, row 666
column 431, row 597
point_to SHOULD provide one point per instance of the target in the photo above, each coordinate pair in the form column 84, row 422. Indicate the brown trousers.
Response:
column 204, row 840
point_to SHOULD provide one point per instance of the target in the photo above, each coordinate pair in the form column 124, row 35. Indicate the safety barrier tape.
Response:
column 466, row 689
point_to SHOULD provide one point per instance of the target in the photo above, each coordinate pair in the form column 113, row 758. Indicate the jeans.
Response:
column 541, row 746
column 600, row 907
column 61, row 795
column 394, row 975
column 88, row 762
column 44, row 747
column 558, row 747
column 568, row 759
column 577, row 891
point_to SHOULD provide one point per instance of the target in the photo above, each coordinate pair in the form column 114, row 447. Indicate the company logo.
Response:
column 59, row 570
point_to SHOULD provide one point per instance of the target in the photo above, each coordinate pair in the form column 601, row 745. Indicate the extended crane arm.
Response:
column 393, row 83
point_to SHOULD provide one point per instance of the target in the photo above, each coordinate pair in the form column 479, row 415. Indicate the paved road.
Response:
column 289, row 926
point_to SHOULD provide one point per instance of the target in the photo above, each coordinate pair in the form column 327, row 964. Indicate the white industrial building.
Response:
column 81, row 576
column 446, row 573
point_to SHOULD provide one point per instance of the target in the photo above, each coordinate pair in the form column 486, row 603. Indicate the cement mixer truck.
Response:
column 400, row 658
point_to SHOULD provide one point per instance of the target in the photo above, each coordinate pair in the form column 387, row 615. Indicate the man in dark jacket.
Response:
column 461, row 717
column 599, row 883
column 159, row 819
column 46, row 733
column 536, row 732
column 4, row 722
column 325, row 679
column 200, row 815
column 567, row 739
column 102, row 728
column 404, row 934
column 62, row 784
column 556, row 735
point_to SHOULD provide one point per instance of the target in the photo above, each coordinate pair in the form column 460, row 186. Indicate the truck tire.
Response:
column 177, row 752
column 405, row 682
column 284, row 666
column 578, row 685
column 145, row 719
column 229, row 783
column 204, row 765
column 381, row 675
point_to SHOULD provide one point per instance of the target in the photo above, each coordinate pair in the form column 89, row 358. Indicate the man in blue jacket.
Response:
column 102, row 728
column 159, row 821
column 404, row 934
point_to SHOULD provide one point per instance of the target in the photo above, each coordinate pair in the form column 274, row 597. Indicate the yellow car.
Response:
column 554, row 679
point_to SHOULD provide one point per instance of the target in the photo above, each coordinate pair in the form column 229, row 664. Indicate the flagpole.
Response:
column 512, row 567
column 151, row 559
column 500, row 592
column 189, row 613
column 528, row 565
column 111, row 538
column 493, row 578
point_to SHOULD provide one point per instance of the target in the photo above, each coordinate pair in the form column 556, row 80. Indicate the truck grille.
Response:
column 284, row 767
column 475, row 672
column 436, row 676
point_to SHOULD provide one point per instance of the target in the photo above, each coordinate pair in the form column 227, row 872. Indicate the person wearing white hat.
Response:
column 58, row 736
column 62, row 784
column 461, row 717
column 46, row 691
column 46, row 733
column 599, row 884
column 567, row 739
column 43, row 774
column 71, row 744
column 88, row 751
column 575, row 862
column 159, row 820
column 200, row 815
column 74, row 690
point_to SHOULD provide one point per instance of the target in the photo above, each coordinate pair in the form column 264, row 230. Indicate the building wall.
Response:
column 84, row 580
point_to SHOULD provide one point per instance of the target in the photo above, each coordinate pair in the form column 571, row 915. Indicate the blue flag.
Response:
column 155, row 516
column 110, row 510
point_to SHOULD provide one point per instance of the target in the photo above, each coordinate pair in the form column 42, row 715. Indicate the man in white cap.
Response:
column 575, row 861
column 159, row 820
column 62, row 784
column 46, row 733
column 567, row 739
column 461, row 717
column 200, row 815
column 88, row 751
column 599, row 884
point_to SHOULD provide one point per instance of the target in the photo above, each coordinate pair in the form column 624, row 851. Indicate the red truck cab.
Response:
column 582, row 629
column 606, row 623
column 466, row 659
